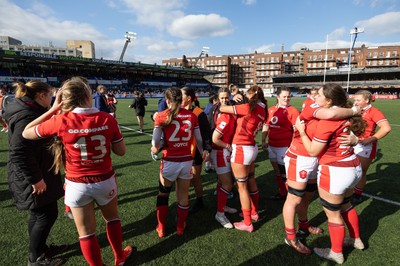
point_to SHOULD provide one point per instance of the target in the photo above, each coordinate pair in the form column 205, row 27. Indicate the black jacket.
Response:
column 139, row 104
column 29, row 160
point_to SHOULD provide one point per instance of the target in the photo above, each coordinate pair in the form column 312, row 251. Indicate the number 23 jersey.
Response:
column 177, row 135
column 86, row 134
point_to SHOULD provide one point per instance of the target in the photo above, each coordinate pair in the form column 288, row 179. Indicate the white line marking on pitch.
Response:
column 135, row 130
column 381, row 199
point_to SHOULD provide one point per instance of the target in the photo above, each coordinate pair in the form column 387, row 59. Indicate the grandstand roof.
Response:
column 70, row 61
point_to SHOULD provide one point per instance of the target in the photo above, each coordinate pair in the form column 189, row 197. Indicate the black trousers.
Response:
column 40, row 223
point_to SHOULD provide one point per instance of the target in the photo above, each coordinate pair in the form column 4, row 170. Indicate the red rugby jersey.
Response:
column 177, row 135
column 327, row 132
column 280, row 122
column 248, row 124
column 86, row 134
column 308, row 116
column 373, row 116
column 225, row 125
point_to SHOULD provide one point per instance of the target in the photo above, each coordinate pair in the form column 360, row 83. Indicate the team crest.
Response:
column 303, row 174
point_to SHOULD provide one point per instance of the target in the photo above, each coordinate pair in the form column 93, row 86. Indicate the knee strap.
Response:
column 330, row 206
column 297, row 192
column 242, row 179
column 164, row 189
column 311, row 187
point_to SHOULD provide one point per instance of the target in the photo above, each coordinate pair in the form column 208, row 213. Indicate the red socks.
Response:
column 182, row 215
column 281, row 186
column 303, row 225
column 91, row 250
column 290, row 233
column 162, row 212
column 350, row 217
column 358, row 191
column 114, row 235
column 255, row 196
column 336, row 233
column 246, row 216
column 222, row 197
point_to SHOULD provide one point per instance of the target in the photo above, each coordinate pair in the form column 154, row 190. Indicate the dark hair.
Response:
column 335, row 93
column 192, row 94
column 281, row 89
column 30, row 89
column 212, row 97
column 258, row 97
column 338, row 96
column 174, row 96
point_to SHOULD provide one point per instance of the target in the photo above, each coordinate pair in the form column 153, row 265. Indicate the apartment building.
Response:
column 246, row 70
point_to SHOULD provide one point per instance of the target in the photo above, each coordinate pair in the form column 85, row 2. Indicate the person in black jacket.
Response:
column 139, row 103
column 34, row 184
column 190, row 102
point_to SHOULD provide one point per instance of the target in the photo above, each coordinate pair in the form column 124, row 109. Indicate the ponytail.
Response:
column 174, row 96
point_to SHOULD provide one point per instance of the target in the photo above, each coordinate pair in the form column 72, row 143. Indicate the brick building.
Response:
column 246, row 70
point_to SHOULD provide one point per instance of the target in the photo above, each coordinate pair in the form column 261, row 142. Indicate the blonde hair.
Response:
column 30, row 89
column 75, row 93
column 367, row 95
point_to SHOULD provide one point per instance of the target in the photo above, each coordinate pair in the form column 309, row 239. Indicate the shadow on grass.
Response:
column 5, row 195
column 371, row 215
column 123, row 165
column 148, row 141
column 284, row 255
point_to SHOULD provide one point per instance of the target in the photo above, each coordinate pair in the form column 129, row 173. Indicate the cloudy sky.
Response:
column 172, row 28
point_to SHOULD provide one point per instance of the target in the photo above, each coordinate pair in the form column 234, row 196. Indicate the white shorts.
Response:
column 301, row 169
column 244, row 154
column 81, row 194
column 173, row 170
column 277, row 154
column 337, row 180
column 367, row 151
column 221, row 161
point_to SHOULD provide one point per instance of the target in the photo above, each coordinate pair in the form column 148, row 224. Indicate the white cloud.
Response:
column 265, row 48
column 156, row 13
column 195, row 26
column 32, row 29
column 336, row 34
column 383, row 25
column 164, row 46
column 249, row 2
column 41, row 9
